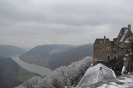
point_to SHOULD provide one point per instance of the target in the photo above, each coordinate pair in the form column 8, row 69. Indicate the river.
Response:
column 32, row 67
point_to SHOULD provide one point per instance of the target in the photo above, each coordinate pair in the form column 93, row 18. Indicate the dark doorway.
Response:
column 108, row 57
column 114, row 57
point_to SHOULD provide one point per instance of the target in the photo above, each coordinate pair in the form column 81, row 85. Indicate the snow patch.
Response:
column 103, row 86
column 127, row 80
column 112, row 83
column 127, row 41
column 124, row 34
column 123, row 70
column 127, row 55
column 112, row 86
column 124, row 58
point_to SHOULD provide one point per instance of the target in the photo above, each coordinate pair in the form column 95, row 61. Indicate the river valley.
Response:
column 32, row 67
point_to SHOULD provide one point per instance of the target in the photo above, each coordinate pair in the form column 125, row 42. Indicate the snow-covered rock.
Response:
column 96, row 74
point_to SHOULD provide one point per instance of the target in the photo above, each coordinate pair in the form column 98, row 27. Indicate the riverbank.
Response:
column 32, row 67
column 24, row 74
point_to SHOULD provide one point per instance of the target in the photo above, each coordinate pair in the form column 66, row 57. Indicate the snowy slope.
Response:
column 96, row 74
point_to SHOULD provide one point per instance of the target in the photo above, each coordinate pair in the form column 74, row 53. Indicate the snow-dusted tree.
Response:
column 62, row 76
column 56, row 83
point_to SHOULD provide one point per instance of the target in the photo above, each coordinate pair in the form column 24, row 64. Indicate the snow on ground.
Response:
column 125, row 82
column 129, row 80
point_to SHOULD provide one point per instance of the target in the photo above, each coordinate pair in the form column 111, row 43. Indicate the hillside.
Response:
column 44, row 51
column 9, row 50
column 11, row 74
column 8, row 73
column 54, row 56
column 69, row 56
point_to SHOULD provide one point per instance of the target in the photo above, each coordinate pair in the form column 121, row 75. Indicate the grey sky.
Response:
column 28, row 23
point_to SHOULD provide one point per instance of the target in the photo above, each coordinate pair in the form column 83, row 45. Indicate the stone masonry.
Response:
column 117, row 53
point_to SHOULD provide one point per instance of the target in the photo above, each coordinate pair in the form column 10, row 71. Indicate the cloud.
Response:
column 27, row 23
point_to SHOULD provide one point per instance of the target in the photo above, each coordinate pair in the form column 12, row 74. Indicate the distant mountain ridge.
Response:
column 9, row 50
column 54, row 56
column 45, row 51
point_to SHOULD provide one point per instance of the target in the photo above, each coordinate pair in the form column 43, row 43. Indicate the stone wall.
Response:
column 105, row 51
column 101, row 50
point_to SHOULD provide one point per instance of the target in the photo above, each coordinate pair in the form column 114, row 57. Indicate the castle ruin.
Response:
column 115, row 54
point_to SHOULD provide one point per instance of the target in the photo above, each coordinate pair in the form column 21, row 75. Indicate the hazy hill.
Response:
column 8, row 73
column 69, row 56
column 11, row 74
column 54, row 56
column 44, row 51
column 1, row 57
column 8, row 50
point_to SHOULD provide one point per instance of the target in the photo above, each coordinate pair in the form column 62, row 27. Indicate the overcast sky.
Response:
column 28, row 23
